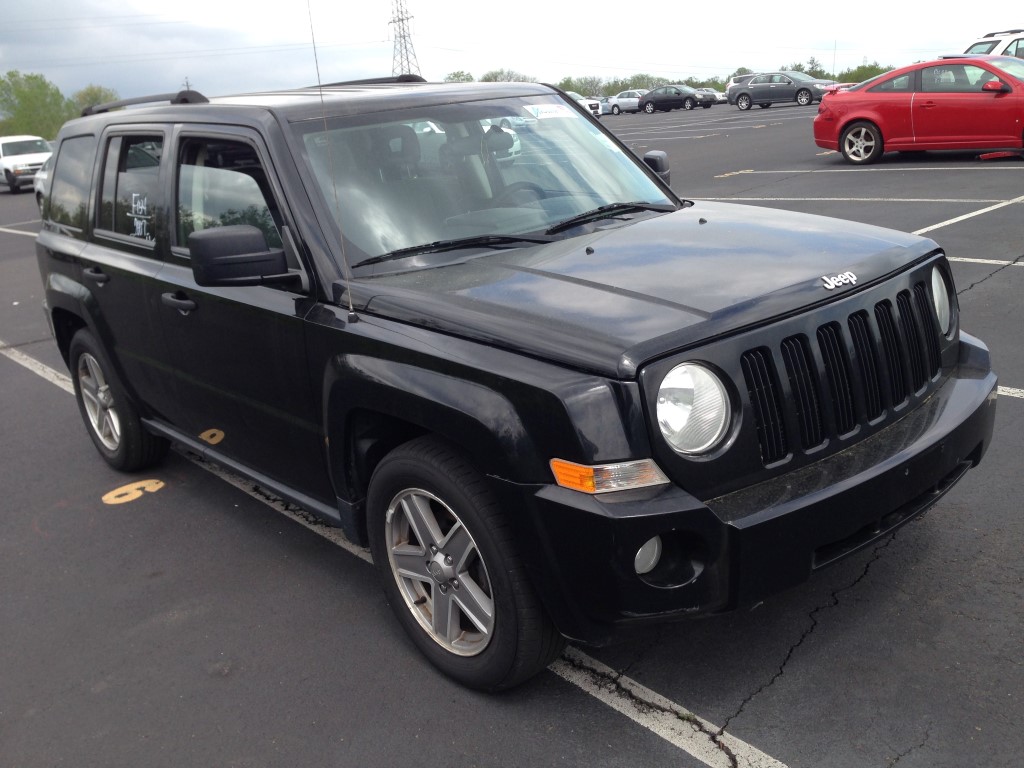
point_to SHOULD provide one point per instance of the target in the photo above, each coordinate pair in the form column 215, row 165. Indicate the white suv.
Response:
column 1009, row 42
column 20, row 158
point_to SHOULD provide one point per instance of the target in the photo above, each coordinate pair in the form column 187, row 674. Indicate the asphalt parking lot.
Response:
column 181, row 618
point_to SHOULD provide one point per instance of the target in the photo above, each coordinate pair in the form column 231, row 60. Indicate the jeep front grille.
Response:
column 862, row 371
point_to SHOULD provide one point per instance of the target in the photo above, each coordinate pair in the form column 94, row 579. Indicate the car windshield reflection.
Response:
column 507, row 167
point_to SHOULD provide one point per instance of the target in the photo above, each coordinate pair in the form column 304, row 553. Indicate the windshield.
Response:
column 25, row 147
column 399, row 180
column 1012, row 66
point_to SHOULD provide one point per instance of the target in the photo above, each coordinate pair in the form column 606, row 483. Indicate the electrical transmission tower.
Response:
column 404, row 62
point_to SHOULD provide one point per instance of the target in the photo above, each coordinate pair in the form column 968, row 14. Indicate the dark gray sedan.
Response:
column 773, row 87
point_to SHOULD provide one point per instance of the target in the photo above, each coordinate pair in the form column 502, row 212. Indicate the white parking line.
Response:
column 9, row 231
column 901, row 170
column 857, row 199
column 991, row 262
column 971, row 215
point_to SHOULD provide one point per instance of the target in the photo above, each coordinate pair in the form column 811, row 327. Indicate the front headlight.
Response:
column 941, row 299
column 693, row 409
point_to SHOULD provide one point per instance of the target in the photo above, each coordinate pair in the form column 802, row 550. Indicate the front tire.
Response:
column 449, row 568
column 689, row 104
column 110, row 417
column 804, row 97
column 861, row 143
column 743, row 102
column 615, row 109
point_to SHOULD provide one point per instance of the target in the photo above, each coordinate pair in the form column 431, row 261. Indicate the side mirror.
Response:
column 235, row 255
column 657, row 161
column 995, row 86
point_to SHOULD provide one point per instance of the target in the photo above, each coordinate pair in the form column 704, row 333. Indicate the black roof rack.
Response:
column 1005, row 32
column 375, row 81
column 181, row 97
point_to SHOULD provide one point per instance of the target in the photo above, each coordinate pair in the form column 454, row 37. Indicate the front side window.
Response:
column 953, row 78
column 403, row 179
column 221, row 182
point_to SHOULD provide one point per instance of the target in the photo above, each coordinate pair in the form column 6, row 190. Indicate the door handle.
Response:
column 96, row 275
column 180, row 303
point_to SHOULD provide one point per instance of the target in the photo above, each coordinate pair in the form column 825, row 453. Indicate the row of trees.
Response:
column 31, row 104
column 596, row 86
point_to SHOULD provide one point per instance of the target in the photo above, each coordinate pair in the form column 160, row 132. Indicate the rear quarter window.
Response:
column 69, row 186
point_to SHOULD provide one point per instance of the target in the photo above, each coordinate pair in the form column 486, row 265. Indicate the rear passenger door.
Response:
column 122, row 257
column 238, row 354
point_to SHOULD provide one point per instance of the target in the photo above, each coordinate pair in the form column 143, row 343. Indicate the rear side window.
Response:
column 901, row 84
column 69, row 187
column 130, row 185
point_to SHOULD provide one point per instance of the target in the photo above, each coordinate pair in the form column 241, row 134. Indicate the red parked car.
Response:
column 956, row 102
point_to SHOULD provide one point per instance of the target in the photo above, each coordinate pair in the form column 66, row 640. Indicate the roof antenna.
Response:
column 352, row 316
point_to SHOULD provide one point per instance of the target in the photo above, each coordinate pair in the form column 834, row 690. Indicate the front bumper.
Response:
column 739, row 548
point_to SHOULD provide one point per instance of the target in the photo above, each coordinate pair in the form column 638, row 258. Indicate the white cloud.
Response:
column 226, row 46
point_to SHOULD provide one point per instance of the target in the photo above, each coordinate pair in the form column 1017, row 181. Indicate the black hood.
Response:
column 613, row 299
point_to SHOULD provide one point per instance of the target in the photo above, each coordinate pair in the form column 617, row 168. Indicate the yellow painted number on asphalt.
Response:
column 212, row 436
column 132, row 491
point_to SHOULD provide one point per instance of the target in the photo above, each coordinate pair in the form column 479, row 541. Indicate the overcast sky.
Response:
column 136, row 47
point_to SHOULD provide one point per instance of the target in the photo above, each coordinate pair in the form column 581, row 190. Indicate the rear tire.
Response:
column 861, row 143
column 449, row 569
column 110, row 417
column 804, row 97
column 743, row 102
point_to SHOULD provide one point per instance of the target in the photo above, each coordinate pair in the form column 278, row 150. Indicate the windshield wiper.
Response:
column 438, row 246
column 606, row 212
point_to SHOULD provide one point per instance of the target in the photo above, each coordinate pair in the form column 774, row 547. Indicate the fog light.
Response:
column 648, row 556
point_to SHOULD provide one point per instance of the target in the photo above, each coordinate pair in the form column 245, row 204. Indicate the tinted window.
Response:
column 985, row 47
column 69, row 190
column 901, row 84
column 954, row 78
column 221, row 183
column 130, row 189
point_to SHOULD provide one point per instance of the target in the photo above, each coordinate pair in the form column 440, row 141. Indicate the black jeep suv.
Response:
column 553, row 398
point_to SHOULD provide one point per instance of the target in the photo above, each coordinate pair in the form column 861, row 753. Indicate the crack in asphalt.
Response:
column 988, row 277
column 813, row 616
column 612, row 682
column 22, row 344
column 901, row 755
